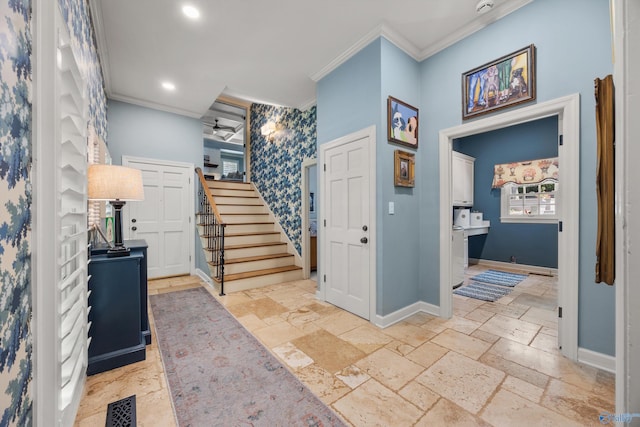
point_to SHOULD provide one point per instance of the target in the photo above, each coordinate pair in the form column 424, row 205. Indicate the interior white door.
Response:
column 347, row 230
column 163, row 218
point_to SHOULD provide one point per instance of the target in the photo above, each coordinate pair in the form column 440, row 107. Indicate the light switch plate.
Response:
column 392, row 208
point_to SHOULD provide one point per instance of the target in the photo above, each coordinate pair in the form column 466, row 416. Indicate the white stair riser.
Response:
column 253, row 209
column 238, row 200
column 230, row 185
column 248, row 228
column 260, row 281
column 255, row 251
column 243, row 267
column 244, row 219
column 252, row 239
column 217, row 192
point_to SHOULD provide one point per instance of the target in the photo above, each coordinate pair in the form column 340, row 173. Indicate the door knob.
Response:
column 364, row 240
column 134, row 228
column 365, row 228
column 133, row 220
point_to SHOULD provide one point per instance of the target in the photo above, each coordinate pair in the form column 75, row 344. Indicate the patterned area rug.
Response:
column 483, row 291
column 220, row 375
column 497, row 277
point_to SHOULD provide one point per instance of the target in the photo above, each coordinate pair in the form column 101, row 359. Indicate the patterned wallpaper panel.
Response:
column 16, row 348
column 276, row 166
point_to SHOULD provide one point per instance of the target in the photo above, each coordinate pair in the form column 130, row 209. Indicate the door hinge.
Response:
column 560, row 139
column 189, row 220
column 559, row 226
column 325, row 167
column 325, row 222
column 324, row 278
column 189, row 180
column 560, row 312
column 189, row 258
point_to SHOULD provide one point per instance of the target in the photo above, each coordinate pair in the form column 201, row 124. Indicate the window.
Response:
column 229, row 166
column 529, row 202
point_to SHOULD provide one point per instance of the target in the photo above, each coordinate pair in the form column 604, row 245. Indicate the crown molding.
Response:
column 155, row 106
column 307, row 104
column 101, row 43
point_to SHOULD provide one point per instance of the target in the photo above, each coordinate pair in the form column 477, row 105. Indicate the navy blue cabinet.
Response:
column 116, row 319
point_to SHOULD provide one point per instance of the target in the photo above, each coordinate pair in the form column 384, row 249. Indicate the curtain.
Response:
column 605, row 241
column 529, row 172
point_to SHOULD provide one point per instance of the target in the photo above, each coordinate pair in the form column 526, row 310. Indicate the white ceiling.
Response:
column 267, row 51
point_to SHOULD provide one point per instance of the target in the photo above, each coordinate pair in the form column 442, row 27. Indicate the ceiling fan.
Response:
column 216, row 127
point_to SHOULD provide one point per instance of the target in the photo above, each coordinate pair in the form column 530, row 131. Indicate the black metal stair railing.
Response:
column 211, row 229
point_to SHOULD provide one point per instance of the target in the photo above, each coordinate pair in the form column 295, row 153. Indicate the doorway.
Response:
column 309, row 243
column 567, row 110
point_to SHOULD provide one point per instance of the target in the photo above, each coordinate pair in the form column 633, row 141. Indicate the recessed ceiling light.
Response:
column 191, row 12
column 168, row 86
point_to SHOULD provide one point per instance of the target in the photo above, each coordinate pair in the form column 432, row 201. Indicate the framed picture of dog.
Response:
column 505, row 82
column 402, row 123
column 404, row 170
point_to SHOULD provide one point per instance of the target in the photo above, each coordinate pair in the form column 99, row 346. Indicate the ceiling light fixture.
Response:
column 484, row 6
column 191, row 12
column 168, row 86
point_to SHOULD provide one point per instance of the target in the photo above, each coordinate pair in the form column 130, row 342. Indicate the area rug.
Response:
column 502, row 278
column 483, row 291
column 220, row 375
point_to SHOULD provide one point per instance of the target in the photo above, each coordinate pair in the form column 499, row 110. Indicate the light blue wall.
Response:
column 531, row 244
column 572, row 39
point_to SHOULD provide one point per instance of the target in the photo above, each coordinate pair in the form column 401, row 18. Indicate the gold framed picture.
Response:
column 404, row 170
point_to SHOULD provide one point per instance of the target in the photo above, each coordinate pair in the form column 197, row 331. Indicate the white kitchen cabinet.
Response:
column 462, row 179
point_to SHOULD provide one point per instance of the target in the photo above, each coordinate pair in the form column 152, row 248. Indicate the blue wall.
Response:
column 531, row 244
column 572, row 39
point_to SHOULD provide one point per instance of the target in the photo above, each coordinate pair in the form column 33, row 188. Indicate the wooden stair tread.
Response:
column 254, row 245
column 246, row 196
column 244, row 213
column 256, row 273
column 255, row 233
column 257, row 258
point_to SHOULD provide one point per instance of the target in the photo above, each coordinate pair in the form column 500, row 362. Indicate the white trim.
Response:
column 156, row 106
column 597, row 360
column 533, row 269
column 190, row 168
column 538, row 219
column 406, row 312
column 568, row 110
column 369, row 132
column 306, row 105
column 304, row 214
column 204, row 277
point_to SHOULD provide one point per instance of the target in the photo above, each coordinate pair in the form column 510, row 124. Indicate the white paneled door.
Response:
column 348, row 225
column 163, row 219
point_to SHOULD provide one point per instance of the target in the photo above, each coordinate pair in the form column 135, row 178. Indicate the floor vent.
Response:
column 122, row 413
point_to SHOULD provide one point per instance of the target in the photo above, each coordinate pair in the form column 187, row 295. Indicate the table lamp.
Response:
column 117, row 185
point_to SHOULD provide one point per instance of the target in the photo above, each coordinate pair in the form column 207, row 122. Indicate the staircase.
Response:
column 256, row 253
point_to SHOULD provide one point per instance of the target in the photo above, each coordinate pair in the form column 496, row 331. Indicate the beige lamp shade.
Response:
column 110, row 182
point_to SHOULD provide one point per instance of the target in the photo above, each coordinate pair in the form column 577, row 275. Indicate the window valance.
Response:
column 529, row 172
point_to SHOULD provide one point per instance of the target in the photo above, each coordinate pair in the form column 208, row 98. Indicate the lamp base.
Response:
column 118, row 251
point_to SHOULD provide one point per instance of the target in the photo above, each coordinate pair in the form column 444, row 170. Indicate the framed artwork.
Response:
column 404, row 169
column 402, row 123
column 505, row 82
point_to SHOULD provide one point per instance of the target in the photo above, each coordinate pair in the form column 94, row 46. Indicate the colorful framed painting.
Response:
column 402, row 123
column 505, row 82
column 404, row 169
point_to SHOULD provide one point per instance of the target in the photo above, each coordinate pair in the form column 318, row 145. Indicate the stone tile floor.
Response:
column 490, row 364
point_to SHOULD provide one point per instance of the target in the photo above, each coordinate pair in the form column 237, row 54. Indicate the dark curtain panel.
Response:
column 605, row 243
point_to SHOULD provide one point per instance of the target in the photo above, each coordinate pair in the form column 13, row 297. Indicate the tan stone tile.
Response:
column 549, row 331
column 353, row 376
column 277, row 334
column 546, row 342
column 262, row 308
column 514, row 369
column 419, row 395
column 427, row 354
column 605, row 385
column 461, row 343
column 576, row 403
column 523, row 388
column 508, row 409
column 419, row 319
column 322, row 307
column 390, row 369
column 251, row 322
column 293, row 357
column 408, row 333
column 542, row 317
column 372, row 404
column 300, row 316
column 155, row 409
column 511, row 310
column 367, row 338
column 328, row 351
column 513, row 329
column 233, row 298
column 340, row 322
column 399, row 347
column 480, row 315
column 461, row 324
column 324, row 385
column 445, row 413
column 463, row 380
column 485, row 336
column 436, row 325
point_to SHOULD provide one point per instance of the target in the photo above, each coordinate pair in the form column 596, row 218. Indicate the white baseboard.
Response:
column 204, row 276
column 597, row 360
column 403, row 313
column 545, row 271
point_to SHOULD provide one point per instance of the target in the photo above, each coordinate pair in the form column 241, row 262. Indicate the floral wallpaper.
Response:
column 276, row 166
column 16, row 346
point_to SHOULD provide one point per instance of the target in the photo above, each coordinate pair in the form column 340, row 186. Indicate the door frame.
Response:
column 304, row 191
column 368, row 132
column 568, row 111
column 190, row 168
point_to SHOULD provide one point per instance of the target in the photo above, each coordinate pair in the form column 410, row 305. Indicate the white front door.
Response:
column 163, row 218
column 348, row 230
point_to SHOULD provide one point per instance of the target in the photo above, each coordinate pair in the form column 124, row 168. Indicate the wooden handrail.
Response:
column 207, row 192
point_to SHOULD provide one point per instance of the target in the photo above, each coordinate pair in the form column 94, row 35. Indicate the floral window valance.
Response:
column 529, row 172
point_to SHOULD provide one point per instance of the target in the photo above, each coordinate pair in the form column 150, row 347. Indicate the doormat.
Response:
column 221, row 375
column 122, row 413
column 502, row 278
column 483, row 291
